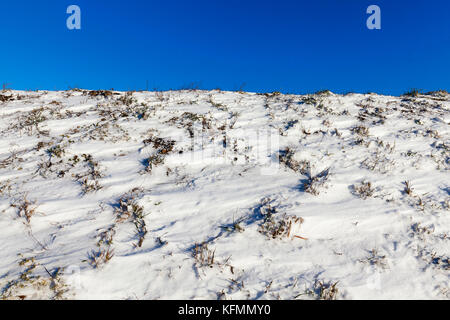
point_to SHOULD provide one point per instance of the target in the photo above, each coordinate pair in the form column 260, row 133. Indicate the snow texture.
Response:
column 224, row 195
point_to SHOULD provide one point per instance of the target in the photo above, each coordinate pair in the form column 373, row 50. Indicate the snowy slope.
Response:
column 224, row 195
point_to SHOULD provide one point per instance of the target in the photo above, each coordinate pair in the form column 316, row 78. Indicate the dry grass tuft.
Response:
column 408, row 189
column 326, row 291
column 98, row 258
column 204, row 257
column 363, row 190
column 128, row 209
column 314, row 183
column 25, row 209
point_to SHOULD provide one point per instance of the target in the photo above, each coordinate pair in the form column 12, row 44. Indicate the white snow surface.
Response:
column 205, row 178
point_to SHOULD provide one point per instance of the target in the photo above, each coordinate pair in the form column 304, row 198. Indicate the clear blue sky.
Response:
column 290, row 46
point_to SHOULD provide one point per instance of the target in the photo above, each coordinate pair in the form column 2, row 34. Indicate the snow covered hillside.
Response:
column 224, row 195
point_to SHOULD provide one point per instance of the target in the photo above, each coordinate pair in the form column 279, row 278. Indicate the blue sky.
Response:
column 289, row 46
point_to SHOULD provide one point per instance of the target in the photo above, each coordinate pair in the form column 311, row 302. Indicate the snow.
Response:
column 223, row 195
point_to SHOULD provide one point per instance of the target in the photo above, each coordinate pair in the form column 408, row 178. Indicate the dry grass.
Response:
column 433, row 259
column 235, row 226
column 281, row 227
column 89, row 179
column 421, row 231
column 378, row 162
column 363, row 190
column 286, row 157
column 313, row 184
column 5, row 188
column 321, row 290
column 128, row 209
column 25, row 208
column 326, row 291
column 408, row 189
column 162, row 147
column 12, row 161
column 375, row 259
column 99, row 93
column 30, row 122
column 28, row 284
column 361, row 130
column 204, row 257
column 98, row 258
column 278, row 226
column 4, row 98
column 412, row 93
